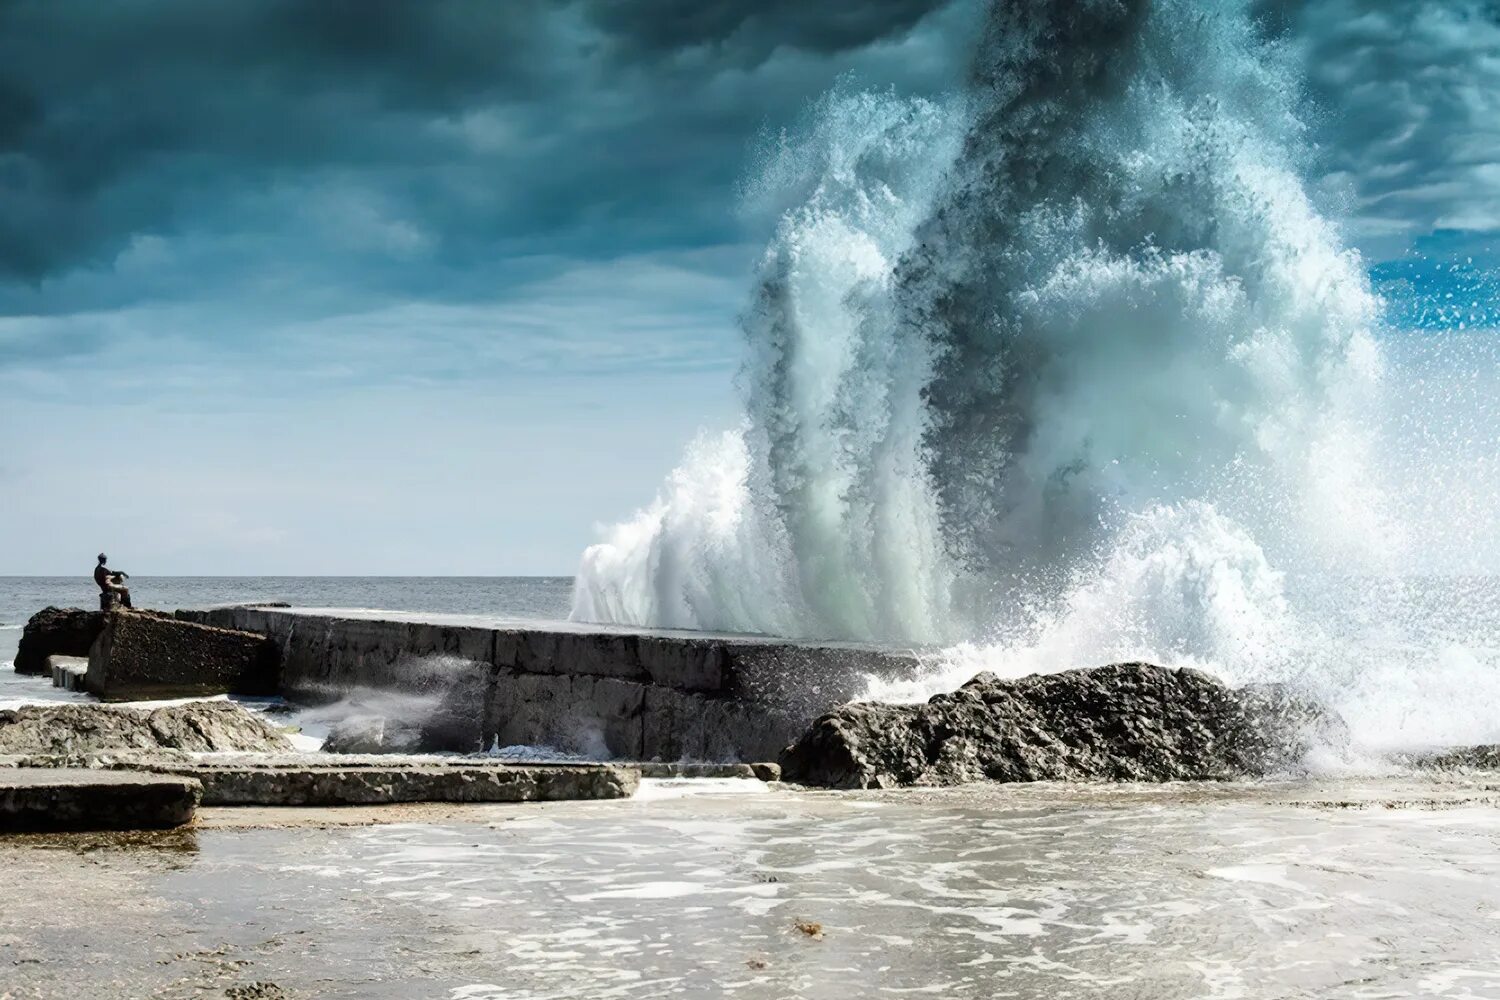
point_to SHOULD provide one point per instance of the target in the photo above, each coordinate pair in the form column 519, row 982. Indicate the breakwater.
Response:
column 600, row 690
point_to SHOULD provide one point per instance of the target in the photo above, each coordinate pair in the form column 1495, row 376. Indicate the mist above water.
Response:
column 1070, row 369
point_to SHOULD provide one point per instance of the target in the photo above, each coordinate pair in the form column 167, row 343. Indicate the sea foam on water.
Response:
column 1069, row 369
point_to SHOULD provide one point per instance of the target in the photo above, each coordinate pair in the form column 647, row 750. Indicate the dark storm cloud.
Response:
column 749, row 32
column 312, row 158
column 449, row 128
column 111, row 116
column 1408, row 99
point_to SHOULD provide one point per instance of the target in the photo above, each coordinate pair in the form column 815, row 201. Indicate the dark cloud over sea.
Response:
column 301, row 160
column 395, row 132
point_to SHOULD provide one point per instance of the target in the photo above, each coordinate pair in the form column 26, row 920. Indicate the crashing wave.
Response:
column 1051, row 373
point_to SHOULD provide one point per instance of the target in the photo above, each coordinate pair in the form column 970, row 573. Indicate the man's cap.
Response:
column 102, row 557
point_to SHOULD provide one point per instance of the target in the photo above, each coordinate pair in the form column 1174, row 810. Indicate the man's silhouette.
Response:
column 111, row 586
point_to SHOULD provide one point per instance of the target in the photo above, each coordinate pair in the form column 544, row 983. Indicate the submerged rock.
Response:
column 56, row 632
column 1125, row 722
column 75, row 730
column 375, row 734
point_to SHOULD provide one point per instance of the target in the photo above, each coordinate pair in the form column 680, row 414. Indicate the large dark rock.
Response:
column 142, row 655
column 1126, row 722
column 78, row 730
column 56, row 632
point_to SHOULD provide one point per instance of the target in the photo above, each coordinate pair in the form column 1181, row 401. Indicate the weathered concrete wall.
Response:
column 138, row 656
column 633, row 695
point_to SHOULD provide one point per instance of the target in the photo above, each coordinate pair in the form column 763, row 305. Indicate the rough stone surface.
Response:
column 72, row 799
column 1485, row 757
column 56, row 632
column 758, row 772
column 373, row 735
column 682, row 725
column 1126, row 722
column 138, row 656
column 322, row 784
column 87, row 729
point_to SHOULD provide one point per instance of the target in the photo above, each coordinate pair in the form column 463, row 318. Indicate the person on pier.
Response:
column 112, row 589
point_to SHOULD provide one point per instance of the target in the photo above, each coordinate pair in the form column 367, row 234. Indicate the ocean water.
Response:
column 510, row 596
column 1228, row 891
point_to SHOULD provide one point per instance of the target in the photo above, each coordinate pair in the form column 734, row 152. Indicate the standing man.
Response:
column 111, row 585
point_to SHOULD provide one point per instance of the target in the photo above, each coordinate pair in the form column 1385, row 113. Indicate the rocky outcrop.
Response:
column 141, row 655
column 56, row 632
column 1126, row 722
column 78, row 730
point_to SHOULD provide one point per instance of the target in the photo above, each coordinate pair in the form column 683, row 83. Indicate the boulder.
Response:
column 56, row 632
column 1125, row 722
column 143, row 655
column 77, row 730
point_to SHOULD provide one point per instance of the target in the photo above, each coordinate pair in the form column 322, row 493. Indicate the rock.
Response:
column 374, row 734
column 141, row 655
column 74, row 730
column 1126, row 722
column 766, row 771
column 1484, row 757
column 33, row 798
column 255, row 991
column 1286, row 725
column 56, row 632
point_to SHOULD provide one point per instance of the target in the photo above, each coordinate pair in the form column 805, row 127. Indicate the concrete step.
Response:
column 68, row 672
column 45, row 798
column 760, row 772
column 293, row 782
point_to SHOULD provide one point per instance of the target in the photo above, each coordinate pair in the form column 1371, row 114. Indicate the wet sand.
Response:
column 1352, row 888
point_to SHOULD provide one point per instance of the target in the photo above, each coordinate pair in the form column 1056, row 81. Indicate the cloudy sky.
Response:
column 381, row 286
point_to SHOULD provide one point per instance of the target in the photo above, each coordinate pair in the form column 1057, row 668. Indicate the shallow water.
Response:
column 1045, row 892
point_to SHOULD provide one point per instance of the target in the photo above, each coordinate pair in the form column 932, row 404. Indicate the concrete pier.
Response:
column 599, row 690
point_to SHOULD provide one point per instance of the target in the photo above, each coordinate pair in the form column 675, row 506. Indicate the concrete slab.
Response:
column 69, row 672
column 74, row 799
column 299, row 782
column 757, row 772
